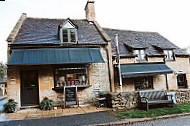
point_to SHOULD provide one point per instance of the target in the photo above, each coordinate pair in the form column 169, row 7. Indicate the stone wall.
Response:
column 182, row 95
column 126, row 100
column 130, row 100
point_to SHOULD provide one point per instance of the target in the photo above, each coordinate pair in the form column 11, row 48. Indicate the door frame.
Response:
column 21, row 83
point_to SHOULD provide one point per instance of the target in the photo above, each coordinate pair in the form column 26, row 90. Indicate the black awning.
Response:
column 55, row 56
column 139, row 70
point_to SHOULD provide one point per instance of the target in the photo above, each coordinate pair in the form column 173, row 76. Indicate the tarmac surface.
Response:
column 74, row 120
column 178, row 121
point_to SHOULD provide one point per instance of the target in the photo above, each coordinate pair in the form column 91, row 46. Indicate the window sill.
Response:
column 79, row 86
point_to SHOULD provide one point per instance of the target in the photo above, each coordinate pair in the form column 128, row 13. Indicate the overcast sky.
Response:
column 171, row 18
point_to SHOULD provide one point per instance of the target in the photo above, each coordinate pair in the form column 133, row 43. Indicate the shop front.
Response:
column 45, row 72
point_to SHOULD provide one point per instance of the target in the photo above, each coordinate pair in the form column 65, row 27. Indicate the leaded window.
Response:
column 143, row 83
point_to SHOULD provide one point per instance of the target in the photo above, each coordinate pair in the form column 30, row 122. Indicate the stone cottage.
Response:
column 46, row 56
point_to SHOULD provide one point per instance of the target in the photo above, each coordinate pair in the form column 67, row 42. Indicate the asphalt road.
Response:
column 179, row 121
column 76, row 120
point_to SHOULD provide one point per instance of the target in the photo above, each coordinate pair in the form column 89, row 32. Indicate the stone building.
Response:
column 45, row 56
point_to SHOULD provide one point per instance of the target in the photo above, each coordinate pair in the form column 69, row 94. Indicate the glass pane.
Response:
column 65, row 36
column 72, row 32
column 142, row 52
column 170, row 54
column 71, row 76
column 143, row 83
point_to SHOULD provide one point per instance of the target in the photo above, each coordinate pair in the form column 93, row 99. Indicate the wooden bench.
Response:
column 151, row 97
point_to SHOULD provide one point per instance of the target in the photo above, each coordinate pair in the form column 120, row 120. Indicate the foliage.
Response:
column 3, row 70
column 10, row 107
column 180, row 108
column 46, row 104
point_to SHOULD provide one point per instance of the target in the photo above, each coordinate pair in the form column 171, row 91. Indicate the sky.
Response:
column 170, row 18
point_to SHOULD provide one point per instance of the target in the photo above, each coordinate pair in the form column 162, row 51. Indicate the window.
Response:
column 169, row 54
column 181, row 81
column 68, row 32
column 143, row 83
column 69, row 35
column 140, row 54
column 71, row 76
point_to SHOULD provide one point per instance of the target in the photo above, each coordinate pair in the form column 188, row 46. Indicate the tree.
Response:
column 3, row 70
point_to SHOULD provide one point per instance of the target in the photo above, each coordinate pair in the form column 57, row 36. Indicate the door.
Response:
column 181, row 81
column 29, row 88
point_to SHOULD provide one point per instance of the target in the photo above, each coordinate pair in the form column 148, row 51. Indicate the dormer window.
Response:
column 169, row 54
column 68, row 32
column 140, row 54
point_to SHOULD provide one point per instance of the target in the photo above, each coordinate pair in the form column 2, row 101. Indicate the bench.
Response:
column 151, row 97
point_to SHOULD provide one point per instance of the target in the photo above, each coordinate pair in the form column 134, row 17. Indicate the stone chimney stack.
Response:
column 90, row 12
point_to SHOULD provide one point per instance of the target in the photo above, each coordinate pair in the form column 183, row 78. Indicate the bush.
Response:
column 10, row 107
column 46, row 104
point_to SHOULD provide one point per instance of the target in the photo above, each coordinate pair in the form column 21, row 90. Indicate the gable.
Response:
column 68, row 24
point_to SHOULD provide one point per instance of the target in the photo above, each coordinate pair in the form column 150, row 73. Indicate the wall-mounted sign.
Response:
column 70, row 95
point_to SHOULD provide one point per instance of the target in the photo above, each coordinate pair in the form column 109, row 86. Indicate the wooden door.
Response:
column 29, row 88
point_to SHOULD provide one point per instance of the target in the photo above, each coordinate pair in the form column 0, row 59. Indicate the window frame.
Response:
column 68, row 35
column 71, row 69
column 149, row 79
column 185, row 86
column 168, row 55
column 139, row 55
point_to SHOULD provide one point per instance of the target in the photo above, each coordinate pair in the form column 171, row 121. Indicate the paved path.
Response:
column 2, row 102
column 75, row 120
column 179, row 121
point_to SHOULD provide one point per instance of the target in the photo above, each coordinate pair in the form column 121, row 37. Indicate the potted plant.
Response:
column 11, row 106
column 46, row 104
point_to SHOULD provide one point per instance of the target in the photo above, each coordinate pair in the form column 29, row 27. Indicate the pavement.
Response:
column 35, row 113
column 3, row 100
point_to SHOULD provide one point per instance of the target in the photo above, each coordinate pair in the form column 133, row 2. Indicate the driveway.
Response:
column 75, row 120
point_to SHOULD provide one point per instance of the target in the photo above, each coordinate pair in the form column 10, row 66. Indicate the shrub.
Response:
column 46, row 104
column 10, row 107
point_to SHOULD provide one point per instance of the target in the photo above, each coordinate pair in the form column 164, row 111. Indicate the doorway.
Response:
column 29, row 88
column 181, row 81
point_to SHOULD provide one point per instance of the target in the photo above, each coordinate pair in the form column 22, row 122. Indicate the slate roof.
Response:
column 45, row 31
column 152, row 42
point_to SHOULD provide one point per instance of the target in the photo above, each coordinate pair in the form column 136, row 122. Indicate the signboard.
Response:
column 70, row 94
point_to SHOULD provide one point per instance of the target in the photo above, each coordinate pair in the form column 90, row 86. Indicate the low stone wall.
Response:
column 130, row 100
column 123, row 100
column 182, row 95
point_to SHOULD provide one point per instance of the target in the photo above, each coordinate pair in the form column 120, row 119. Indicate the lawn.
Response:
column 135, row 113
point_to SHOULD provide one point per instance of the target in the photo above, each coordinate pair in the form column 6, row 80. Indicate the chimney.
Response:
column 89, row 9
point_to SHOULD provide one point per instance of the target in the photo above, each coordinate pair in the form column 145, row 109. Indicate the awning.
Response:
column 139, row 70
column 55, row 56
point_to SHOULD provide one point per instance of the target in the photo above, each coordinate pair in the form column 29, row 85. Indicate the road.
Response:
column 179, row 121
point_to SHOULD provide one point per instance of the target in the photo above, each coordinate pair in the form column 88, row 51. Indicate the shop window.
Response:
column 169, row 54
column 71, row 77
column 140, row 54
column 181, row 81
column 143, row 83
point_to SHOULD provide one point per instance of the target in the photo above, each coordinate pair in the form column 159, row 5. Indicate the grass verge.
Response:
column 180, row 108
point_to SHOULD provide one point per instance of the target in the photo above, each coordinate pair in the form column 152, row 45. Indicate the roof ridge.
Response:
column 129, row 30
column 54, row 18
